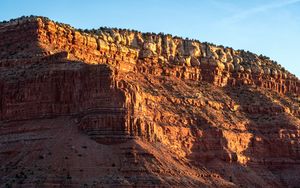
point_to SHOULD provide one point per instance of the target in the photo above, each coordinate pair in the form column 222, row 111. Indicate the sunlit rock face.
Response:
column 120, row 108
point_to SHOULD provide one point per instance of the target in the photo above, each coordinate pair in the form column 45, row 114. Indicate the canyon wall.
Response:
column 145, row 52
column 209, row 105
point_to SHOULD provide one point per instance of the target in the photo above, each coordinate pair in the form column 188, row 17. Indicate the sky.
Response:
column 268, row 27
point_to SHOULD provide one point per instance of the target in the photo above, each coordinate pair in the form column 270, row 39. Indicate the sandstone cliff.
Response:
column 123, row 108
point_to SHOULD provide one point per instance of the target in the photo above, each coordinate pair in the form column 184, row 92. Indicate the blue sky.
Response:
column 269, row 27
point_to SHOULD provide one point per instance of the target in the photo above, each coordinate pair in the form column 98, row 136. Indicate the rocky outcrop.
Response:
column 218, row 117
column 127, row 49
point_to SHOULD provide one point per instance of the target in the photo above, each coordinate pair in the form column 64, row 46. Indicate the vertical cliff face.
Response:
column 167, row 111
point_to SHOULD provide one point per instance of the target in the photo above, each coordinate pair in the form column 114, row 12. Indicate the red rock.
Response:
column 121, row 108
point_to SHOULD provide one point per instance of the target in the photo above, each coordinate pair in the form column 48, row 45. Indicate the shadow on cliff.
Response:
column 211, row 155
column 270, row 152
column 269, row 155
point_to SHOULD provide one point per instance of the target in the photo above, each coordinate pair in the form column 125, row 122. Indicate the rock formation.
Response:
column 120, row 108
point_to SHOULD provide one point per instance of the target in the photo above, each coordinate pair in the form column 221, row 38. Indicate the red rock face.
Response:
column 121, row 108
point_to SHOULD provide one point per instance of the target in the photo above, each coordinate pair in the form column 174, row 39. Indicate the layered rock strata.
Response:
column 224, row 117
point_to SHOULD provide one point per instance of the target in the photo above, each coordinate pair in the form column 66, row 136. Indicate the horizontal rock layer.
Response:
column 223, row 118
column 125, row 50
